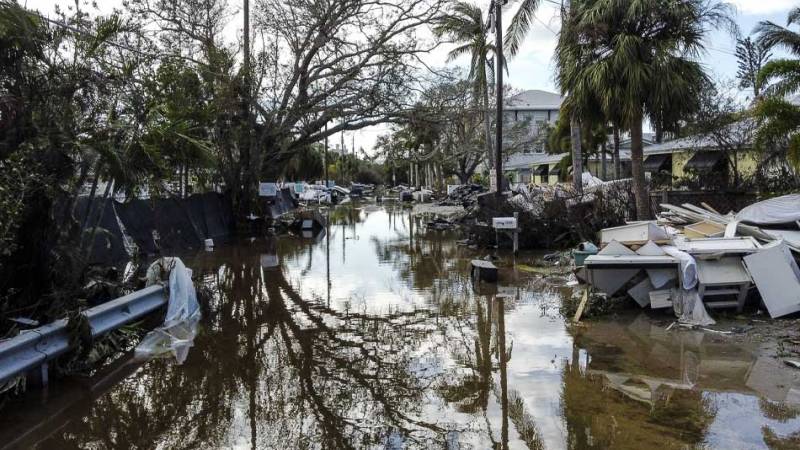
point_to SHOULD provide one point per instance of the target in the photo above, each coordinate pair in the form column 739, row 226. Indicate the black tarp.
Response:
column 163, row 225
column 108, row 245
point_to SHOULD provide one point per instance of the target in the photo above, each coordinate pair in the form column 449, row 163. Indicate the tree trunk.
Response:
column 617, row 162
column 659, row 131
column 577, row 161
column 90, row 200
column 603, row 162
column 90, row 244
column 486, row 124
column 637, row 168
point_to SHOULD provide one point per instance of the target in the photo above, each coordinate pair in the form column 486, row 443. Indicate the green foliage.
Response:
column 306, row 164
column 779, row 134
column 17, row 180
column 751, row 57
column 629, row 60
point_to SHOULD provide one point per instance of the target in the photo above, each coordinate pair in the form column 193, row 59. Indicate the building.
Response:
column 535, row 168
column 696, row 155
column 536, row 109
column 533, row 110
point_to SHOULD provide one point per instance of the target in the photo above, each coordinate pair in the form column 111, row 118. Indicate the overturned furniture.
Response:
column 693, row 257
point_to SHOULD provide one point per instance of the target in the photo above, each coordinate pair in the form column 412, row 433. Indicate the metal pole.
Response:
column 327, row 178
column 498, row 166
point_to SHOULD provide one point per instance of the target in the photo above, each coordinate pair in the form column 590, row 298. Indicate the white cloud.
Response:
column 761, row 7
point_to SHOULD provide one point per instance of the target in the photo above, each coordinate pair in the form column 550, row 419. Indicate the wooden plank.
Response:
column 581, row 306
column 708, row 207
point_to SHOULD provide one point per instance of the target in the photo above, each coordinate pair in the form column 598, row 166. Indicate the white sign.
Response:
column 267, row 189
column 504, row 223
column 493, row 180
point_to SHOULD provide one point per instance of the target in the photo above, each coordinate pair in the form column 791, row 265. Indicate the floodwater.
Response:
column 371, row 336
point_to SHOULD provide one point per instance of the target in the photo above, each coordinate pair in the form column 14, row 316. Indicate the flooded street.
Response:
column 370, row 335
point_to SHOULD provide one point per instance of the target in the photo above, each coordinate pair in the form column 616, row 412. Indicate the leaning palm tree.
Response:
column 639, row 57
column 463, row 25
column 780, row 116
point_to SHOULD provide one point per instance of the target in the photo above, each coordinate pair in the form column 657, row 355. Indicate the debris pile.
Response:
column 553, row 216
column 465, row 195
column 692, row 258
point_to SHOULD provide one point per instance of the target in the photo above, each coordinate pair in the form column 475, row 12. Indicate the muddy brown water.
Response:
column 372, row 336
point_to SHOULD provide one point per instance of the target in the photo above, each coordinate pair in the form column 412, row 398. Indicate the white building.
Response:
column 536, row 108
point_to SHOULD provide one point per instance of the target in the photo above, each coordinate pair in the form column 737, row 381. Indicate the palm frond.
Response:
column 520, row 25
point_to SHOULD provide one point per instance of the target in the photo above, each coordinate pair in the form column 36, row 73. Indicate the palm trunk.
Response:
column 617, row 162
column 603, row 162
column 90, row 200
column 93, row 233
column 637, row 169
column 577, row 161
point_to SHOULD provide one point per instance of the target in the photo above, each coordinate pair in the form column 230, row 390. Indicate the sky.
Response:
column 533, row 67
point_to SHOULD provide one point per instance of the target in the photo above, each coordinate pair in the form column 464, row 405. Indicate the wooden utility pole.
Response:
column 247, row 38
column 498, row 165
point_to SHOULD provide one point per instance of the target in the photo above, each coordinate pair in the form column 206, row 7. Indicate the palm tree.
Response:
column 637, row 57
column 780, row 116
column 463, row 25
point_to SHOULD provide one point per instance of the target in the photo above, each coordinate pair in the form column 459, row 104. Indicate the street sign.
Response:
column 504, row 223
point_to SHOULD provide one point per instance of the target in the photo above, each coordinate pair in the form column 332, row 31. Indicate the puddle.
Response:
column 371, row 336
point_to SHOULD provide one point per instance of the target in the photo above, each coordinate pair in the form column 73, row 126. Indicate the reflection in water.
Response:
column 674, row 390
column 370, row 335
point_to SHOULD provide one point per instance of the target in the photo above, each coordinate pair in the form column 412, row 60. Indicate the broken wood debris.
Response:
column 692, row 257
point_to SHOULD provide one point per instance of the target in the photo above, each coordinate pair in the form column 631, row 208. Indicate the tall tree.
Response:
column 751, row 56
column 780, row 115
column 463, row 25
column 640, row 56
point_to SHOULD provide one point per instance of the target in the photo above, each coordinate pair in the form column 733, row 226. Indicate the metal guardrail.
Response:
column 34, row 348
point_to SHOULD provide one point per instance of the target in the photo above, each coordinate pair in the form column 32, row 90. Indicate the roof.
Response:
column 741, row 131
column 534, row 100
column 519, row 161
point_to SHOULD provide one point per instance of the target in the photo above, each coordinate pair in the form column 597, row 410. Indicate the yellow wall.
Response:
column 679, row 159
column 748, row 163
column 552, row 179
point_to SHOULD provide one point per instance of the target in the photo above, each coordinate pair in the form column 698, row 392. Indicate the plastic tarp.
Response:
column 774, row 211
column 590, row 180
column 688, row 266
column 176, row 335
column 689, row 308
